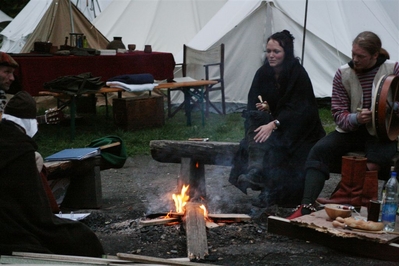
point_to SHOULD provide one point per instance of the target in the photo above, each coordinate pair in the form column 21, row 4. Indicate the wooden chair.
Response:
column 208, row 65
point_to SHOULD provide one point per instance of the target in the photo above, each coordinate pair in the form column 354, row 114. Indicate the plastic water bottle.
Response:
column 390, row 203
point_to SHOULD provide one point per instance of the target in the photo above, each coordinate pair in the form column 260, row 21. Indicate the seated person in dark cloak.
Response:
column 281, row 125
column 26, row 218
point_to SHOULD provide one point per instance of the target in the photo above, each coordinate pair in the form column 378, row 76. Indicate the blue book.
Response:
column 73, row 154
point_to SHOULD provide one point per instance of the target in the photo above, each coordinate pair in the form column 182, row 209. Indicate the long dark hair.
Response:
column 370, row 42
column 286, row 40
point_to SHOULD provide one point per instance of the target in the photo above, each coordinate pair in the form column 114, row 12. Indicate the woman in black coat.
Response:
column 282, row 123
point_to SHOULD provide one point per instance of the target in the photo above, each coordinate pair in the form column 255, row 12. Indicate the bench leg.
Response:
column 84, row 191
column 192, row 172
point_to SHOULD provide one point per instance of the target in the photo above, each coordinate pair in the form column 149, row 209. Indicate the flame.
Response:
column 205, row 211
column 196, row 165
column 181, row 200
column 168, row 215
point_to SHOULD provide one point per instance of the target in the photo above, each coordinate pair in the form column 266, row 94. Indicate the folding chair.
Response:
column 208, row 65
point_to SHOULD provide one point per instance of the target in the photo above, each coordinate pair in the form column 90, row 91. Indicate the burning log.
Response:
column 197, row 243
column 159, row 221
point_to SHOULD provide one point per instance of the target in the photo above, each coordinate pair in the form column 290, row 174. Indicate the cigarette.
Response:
column 359, row 109
column 260, row 98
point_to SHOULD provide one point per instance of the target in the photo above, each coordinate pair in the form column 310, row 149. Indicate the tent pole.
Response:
column 70, row 14
column 304, row 31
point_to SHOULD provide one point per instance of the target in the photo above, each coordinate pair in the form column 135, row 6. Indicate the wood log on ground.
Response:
column 208, row 152
column 148, row 259
column 197, row 243
column 236, row 217
column 42, row 258
column 159, row 221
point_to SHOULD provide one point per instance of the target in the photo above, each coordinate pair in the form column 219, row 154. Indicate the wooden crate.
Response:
column 140, row 112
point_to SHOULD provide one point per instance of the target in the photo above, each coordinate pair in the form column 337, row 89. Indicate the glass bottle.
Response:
column 85, row 43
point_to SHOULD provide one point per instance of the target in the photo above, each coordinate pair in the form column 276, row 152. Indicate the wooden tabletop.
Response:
column 191, row 83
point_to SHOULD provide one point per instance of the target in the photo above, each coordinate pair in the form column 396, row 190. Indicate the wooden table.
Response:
column 193, row 91
column 70, row 100
column 35, row 70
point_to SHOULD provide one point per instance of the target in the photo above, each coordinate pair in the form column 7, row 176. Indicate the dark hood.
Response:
column 10, row 135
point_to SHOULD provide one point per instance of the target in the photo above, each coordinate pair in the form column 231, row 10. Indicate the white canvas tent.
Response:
column 4, row 17
column 4, row 21
column 331, row 26
column 47, row 18
column 164, row 24
column 91, row 8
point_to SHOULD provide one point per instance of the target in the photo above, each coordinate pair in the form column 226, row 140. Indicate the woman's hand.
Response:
column 263, row 106
column 363, row 116
column 264, row 132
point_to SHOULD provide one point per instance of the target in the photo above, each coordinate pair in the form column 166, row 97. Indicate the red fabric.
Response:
column 34, row 71
column 49, row 193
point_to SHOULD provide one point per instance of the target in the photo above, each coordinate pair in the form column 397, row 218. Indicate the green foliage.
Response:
column 230, row 128
column 13, row 7
column 326, row 119
column 53, row 138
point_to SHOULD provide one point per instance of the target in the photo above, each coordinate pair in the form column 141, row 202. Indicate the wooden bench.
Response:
column 84, row 190
column 193, row 155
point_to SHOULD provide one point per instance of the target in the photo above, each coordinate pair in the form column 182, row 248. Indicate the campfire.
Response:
column 196, row 219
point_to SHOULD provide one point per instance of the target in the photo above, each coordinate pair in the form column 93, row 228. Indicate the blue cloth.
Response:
column 134, row 78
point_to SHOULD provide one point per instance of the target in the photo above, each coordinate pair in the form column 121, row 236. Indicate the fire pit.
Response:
column 196, row 219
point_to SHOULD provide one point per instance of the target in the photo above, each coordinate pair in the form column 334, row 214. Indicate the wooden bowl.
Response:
column 333, row 211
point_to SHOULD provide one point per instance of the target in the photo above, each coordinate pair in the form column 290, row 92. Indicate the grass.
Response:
column 53, row 138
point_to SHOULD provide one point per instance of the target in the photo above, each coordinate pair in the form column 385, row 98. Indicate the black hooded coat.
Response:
column 27, row 223
column 292, row 103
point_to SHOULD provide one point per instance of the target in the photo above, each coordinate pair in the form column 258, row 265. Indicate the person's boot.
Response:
column 370, row 187
column 351, row 185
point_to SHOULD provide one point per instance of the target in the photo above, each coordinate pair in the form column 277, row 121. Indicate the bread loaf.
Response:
column 359, row 224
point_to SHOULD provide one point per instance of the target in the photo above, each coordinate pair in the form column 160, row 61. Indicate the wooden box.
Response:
column 140, row 112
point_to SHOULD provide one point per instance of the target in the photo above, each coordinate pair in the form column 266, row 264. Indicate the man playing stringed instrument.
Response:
column 7, row 68
column 353, row 88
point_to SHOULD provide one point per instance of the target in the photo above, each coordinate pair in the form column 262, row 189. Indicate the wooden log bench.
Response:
column 194, row 155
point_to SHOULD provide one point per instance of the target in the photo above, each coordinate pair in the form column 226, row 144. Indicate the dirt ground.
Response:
column 144, row 187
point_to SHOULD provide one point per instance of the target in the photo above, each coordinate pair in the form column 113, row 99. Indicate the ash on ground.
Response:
column 144, row 186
